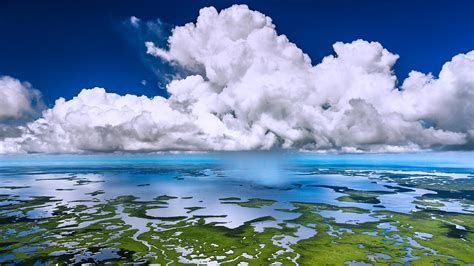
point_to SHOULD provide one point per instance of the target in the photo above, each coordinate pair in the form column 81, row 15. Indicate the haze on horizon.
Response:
column 239, row 85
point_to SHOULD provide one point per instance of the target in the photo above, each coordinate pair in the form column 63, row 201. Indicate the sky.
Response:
column 332, row 76
column 62, row 47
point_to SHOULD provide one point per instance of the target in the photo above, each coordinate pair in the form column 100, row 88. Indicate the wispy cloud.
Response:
column 136, row 32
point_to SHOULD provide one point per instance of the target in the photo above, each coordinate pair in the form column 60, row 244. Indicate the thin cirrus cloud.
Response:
column 250, row 88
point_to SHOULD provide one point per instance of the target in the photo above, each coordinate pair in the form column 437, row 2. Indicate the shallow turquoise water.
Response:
column 282, row 176
column 404, row 160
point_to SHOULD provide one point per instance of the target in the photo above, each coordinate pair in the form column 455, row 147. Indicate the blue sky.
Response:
column 62, row 47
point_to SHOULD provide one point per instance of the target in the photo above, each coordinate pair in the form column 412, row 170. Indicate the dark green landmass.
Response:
column 72, row 231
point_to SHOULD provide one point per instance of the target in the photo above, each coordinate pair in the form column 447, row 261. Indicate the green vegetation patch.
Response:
column 230, row 198
column 119, row 230
column 252, row 203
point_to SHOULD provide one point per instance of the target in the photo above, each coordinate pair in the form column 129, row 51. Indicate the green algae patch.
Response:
column 14, row 187
column 95, row 193
column 230, row 198
column 360, row 198
column 165, row 197
column 323, row 206
column 252, row 203
column 192, row 209
column 428, row 203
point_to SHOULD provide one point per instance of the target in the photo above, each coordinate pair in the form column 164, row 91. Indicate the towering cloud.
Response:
column 250, row 88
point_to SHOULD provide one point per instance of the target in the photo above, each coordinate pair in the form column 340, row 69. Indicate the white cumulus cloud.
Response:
column 18, row 100
column 251, row 88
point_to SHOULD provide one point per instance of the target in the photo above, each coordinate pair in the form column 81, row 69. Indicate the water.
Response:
column 227, row 190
